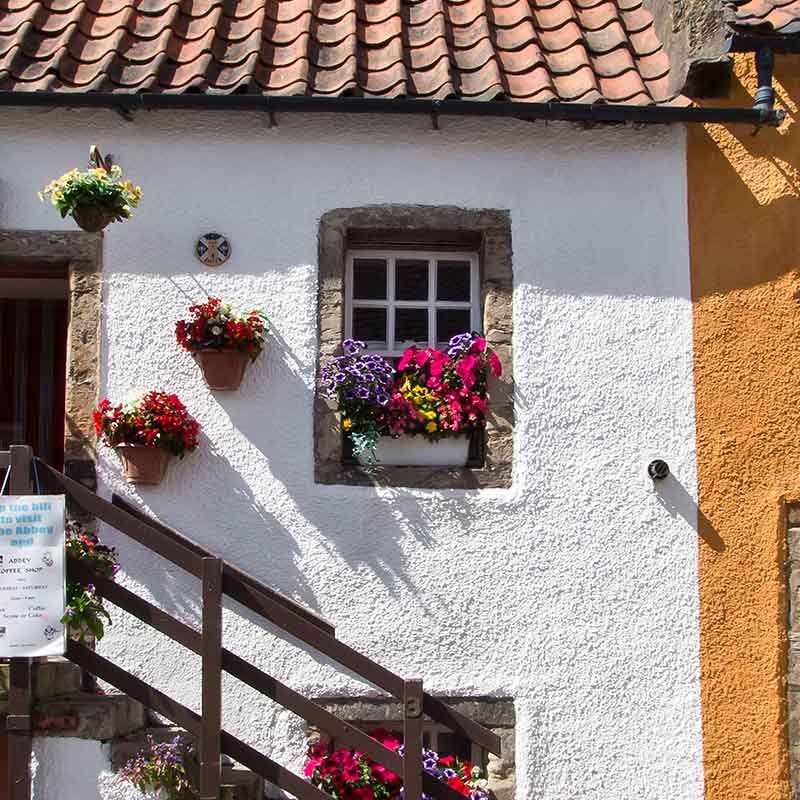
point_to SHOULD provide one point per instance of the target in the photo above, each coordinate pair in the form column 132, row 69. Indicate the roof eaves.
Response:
column 592, row 113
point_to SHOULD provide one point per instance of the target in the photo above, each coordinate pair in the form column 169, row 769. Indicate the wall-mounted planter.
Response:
column 142, row 464
column 416, row 451
column 92, row 218
column 223, row 370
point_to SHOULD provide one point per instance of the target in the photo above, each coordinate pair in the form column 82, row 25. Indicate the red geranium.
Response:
column 214, row 326
column 157, row 419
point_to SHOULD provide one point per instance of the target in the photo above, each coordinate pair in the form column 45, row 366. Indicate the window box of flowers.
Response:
column 94, row 198
column 422, row 413
column 147, row 433
column 222, row 342
column 350, row 775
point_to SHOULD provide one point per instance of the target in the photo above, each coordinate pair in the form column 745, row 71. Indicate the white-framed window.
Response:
column 395, row 298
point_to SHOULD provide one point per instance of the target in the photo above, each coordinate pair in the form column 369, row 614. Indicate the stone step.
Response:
column 241, row 784
column 53, row 678
column 81, row 715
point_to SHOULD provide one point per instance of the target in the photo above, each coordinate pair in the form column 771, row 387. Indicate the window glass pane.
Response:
column 411, row 326
column 369, row 324
column 451, row 321
column 369, row 279
column 411, row 279
column 453, row 281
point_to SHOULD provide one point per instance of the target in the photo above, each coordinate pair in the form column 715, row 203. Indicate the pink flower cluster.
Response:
column 350, row 775
column 437, row 392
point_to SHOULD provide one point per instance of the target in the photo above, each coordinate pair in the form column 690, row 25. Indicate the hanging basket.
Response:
column 142, row 464
column 223, row 370
column 92, row 218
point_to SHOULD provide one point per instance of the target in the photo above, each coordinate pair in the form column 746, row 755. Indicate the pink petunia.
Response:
column 437, row 366
column 478, row 344
column 466, row 366
column 495, row 364
column 406, row 358
column 421, row 357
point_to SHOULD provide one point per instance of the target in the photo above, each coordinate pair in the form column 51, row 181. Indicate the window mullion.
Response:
column 390, row 293
column 432, row 302
column 475, row 295
column 348, row 298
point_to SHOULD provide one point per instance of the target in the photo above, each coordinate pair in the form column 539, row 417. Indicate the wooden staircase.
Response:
column 220, row 578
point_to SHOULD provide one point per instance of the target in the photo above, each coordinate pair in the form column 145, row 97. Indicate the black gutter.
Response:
column 753, row 42
column 566, row 112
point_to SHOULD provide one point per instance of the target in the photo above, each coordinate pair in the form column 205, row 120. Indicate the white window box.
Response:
column 417, row 451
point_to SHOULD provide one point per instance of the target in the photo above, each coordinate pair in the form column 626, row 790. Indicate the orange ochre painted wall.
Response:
column 744, row 227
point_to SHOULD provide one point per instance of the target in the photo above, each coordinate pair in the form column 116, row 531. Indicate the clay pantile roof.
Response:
column 764, row 16
column 581, row 51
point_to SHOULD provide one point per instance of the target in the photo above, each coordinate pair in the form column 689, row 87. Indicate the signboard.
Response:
column 32, row 576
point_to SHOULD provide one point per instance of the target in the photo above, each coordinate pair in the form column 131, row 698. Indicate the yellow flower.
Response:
column 347, row 423
column 431, row 427
column 430, row 415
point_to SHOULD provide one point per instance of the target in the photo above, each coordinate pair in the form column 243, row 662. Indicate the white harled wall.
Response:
column 575, row 591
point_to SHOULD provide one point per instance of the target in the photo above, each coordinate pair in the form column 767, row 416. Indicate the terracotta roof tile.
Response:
column 767, row 16
column 524, row 50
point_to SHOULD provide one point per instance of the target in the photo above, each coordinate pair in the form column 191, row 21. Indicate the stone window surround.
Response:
column 432, row 226
column 495, row 713
column 82, row 253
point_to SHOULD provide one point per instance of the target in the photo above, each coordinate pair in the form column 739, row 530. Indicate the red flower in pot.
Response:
column 223, row 343
column 147, row 433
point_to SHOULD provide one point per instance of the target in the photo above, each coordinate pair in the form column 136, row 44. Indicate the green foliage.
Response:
column 94, row 188
column 85, row 615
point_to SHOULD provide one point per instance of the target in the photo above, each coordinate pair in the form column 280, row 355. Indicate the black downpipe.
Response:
column 765, row 94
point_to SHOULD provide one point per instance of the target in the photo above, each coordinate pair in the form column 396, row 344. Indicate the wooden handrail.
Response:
column 219, row 578
column 250, row 593
column 234, row 665
column 237, row 581
column 230, row 745
column 139, row 531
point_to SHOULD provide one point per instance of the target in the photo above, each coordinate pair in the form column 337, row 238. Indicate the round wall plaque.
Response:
column 213, row 249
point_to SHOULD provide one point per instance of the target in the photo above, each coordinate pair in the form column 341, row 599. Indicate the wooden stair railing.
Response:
column 219, row 578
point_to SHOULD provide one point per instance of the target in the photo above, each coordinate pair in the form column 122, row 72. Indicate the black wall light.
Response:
column 658, row 469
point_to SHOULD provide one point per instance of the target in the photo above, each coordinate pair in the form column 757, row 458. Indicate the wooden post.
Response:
column 412, row 739
column 18, row 721
column 210, row 763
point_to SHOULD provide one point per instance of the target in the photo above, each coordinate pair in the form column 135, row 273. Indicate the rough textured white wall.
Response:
column 575, row 591
column 75, row 769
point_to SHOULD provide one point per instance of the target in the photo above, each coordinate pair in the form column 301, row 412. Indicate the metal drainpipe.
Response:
column 765, row 94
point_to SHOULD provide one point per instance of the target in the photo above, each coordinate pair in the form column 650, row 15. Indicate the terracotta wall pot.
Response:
column 92, row 218
column 222, row 370
column 143, row 464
